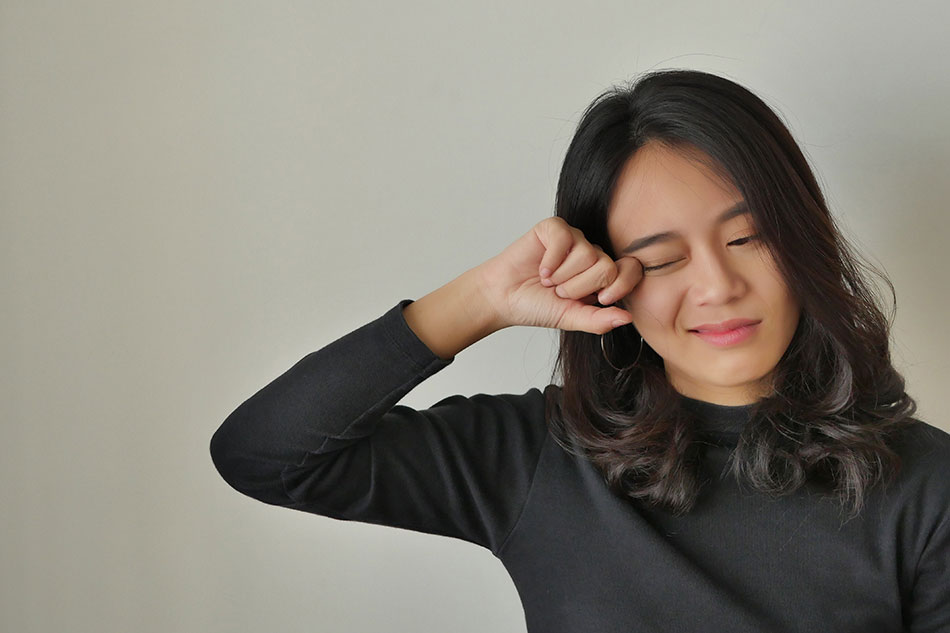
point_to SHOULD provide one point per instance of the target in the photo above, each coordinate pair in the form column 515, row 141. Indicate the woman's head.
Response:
column 703, row 266
column 672, row 152
column 727, row 141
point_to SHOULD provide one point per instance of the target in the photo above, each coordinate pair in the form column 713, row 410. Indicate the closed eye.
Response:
column 742, row 241
column 647, row 269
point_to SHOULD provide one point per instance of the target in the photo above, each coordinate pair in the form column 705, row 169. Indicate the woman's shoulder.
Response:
column 924, row 450
column 922, row 437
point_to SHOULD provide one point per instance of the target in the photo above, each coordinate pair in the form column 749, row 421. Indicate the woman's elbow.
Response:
column 244, row 471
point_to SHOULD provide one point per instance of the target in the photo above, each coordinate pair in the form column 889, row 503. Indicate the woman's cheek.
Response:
column 635, row 297
column 654, row 310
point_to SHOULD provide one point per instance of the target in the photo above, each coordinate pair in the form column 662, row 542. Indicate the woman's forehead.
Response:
column 660, row 187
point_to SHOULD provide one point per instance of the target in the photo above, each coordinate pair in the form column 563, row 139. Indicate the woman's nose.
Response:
column 717, row 279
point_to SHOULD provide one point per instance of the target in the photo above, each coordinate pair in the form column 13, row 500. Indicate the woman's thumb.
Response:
column 589, row 318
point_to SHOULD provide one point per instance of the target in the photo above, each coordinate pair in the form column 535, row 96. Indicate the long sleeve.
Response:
column 327, row 437
column 930, row 608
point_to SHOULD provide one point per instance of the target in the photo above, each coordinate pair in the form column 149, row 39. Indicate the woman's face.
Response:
column 711, row 274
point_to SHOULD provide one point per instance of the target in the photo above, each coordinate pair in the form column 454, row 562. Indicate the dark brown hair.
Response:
column 837, row 399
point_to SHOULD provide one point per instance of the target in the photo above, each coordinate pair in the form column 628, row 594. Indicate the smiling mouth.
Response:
column 727, row 337
column 725, row 326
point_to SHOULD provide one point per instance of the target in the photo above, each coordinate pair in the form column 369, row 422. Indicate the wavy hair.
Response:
column 837, row 401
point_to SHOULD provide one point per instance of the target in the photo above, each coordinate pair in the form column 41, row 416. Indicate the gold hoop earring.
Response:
column 607, row 358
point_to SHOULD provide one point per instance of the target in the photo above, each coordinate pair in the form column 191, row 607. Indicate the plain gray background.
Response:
column 195, row 195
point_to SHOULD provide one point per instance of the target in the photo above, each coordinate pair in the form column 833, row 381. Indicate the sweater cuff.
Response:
column 395, row 325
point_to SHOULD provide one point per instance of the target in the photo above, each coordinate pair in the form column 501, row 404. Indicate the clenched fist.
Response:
column 553, row 277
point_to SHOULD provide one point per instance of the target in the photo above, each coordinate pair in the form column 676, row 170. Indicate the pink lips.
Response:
column 728, row 337
column 725, row 326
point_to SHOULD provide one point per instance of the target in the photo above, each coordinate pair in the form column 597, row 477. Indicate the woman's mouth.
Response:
column 728, row 337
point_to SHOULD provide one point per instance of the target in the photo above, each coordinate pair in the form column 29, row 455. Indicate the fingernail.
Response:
column 547, row 282
column 619, row 323
column 560, row 291
column 604, row 298
column 545, row 272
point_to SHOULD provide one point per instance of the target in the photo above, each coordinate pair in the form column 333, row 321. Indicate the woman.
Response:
column 730, row 447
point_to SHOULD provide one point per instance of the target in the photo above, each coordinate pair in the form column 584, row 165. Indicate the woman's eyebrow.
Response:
column 642, row 242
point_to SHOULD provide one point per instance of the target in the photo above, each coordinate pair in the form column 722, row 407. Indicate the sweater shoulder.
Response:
column 924, row 451
column 923, row 442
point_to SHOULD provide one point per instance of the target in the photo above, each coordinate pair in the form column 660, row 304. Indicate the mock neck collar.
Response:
column 719, row 419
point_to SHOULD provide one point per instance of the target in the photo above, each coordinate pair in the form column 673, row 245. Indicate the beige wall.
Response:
column 194, row 195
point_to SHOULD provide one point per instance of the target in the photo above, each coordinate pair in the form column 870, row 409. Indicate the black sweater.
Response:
column 327, row 437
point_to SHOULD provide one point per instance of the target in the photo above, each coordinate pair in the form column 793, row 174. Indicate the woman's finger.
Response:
column 590, row 280
column 629, row 274
column 589, row 318
column 581, row 259
column 558, row 240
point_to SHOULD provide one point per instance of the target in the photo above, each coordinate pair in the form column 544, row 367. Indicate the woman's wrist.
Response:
column 453, row 317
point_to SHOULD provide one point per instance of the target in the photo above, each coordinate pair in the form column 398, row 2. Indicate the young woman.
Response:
column 729, row 448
